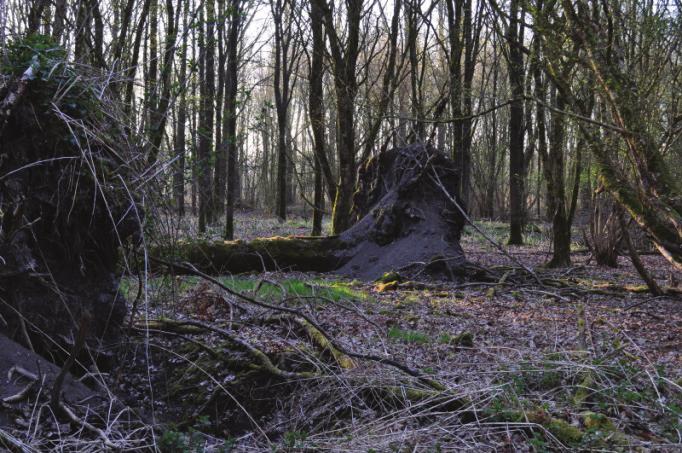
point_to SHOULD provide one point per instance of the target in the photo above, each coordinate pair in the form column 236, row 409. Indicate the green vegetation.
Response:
column 294, row 439
column 192, row 440
column 465, row 339
column 334, row 290
column 39, row 51
column 408, row 336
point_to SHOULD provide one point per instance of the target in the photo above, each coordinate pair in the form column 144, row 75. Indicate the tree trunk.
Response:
column 205, row 169
column 160, row 107
column 454, row 8
column 220, row 170
column 318, row 208
column 316, row 112
column 130, row 85
column 180, row 138
column 345, row 84
column 235, row 11
column 516, row 132
column 556, row 200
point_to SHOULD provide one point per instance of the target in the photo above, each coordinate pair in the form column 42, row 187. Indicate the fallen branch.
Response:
column 21, row 395
column 85, row 424
column 324, row 344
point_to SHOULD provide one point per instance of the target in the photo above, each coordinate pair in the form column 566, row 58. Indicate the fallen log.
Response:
column 264, row 254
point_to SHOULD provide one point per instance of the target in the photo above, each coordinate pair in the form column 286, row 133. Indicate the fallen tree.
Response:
column 65, row 209
column 403, row 221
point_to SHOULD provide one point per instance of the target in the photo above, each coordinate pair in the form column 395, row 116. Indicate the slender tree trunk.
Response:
column 455, row 17
column 130, row 86
column 205, row 164
column 161, row 107
column 412, row 13
column 516, row 132
column 234, row 12
column 470, row 52
column 220, row 172
column 285, row 60
column 35, row 15
column 180, row 139
column 556, row 200
column 345, row 83
column 3, row 22
column 317, row 117
column 492, row 161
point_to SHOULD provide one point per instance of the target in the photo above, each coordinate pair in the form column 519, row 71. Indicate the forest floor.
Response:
column 595, row 365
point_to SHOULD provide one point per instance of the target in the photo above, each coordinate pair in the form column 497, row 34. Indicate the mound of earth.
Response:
column 404, row 221
column 65, row 209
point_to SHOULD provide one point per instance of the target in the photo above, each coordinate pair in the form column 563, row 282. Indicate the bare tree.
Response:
column 235, row 13
column 344, row 55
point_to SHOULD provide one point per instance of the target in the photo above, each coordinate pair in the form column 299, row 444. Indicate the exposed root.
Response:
column 21, row 395
column 23, row 372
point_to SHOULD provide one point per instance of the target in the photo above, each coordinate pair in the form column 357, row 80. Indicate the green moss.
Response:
column 389, row 277
column 564, row 431
column 596, row 421
column 39, row 51
column 549, row 380
column 465, row 339
column 407, row 301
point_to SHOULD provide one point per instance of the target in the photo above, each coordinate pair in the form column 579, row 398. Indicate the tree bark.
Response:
column 161, row 107
column 455, row 17
column 235, row 11
column 205, row 167
column 180, row 137
column 556, row 200
column 317, row 117
column 516, row 132
column 344, row 57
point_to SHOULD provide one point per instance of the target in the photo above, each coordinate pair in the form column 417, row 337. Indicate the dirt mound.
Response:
column 404, row 220
column 65, row 208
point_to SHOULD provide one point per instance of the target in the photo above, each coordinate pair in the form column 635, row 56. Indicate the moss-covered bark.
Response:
column 320, row 254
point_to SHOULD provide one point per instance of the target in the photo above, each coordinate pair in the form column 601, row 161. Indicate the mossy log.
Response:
column 302, row 253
